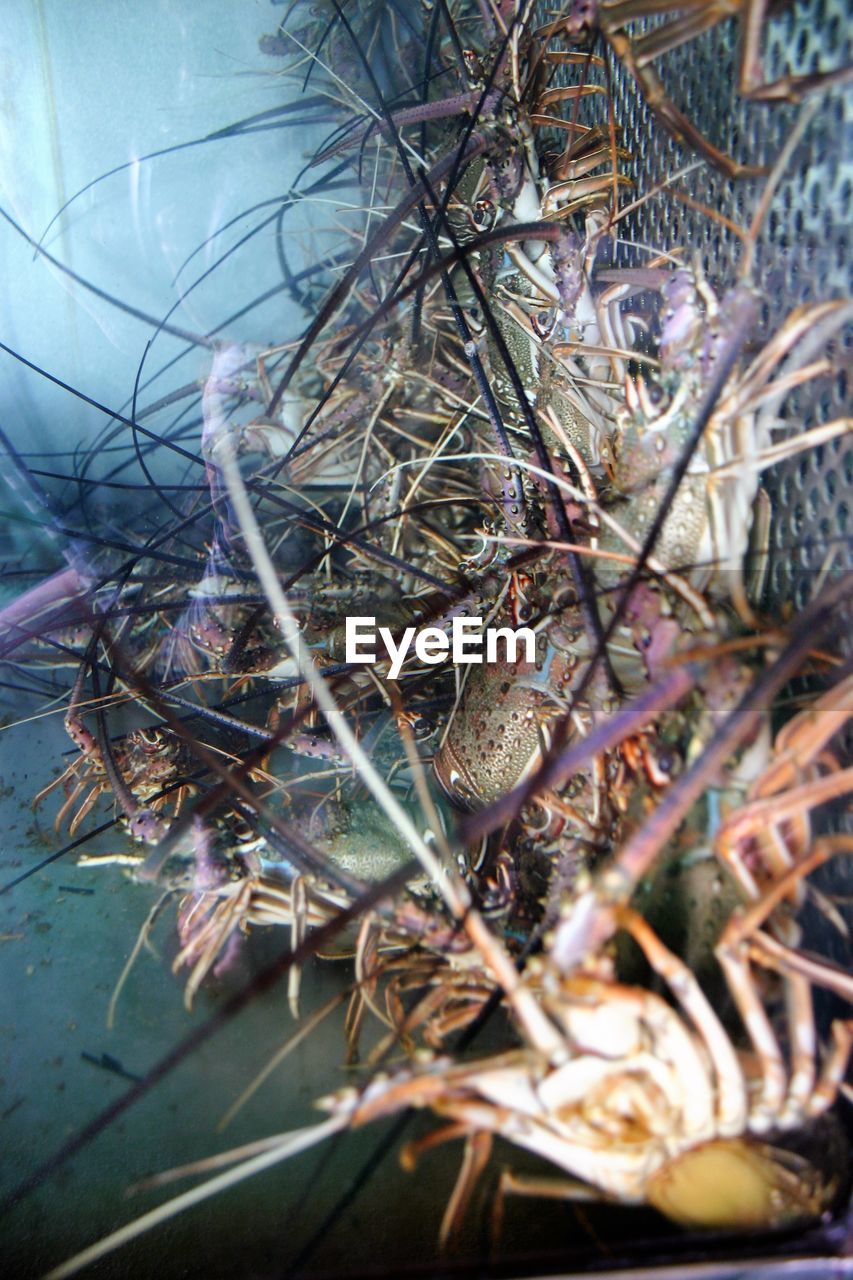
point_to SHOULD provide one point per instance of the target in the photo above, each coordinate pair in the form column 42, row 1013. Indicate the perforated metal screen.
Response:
column 803, row 248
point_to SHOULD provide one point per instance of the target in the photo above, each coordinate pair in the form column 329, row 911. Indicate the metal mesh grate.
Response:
column 803, row 249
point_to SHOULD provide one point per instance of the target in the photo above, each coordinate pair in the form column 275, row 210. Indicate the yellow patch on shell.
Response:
column 736, row 1184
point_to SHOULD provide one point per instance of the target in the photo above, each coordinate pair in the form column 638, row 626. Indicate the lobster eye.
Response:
column 543, row 323
column 484, row 213
column 473, row 65
column 662, row 765
column 655, row 393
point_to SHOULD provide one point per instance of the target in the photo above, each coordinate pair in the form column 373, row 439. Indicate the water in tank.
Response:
column 424, row 630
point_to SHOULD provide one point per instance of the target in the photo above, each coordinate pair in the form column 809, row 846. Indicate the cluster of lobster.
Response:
column 606, row 845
